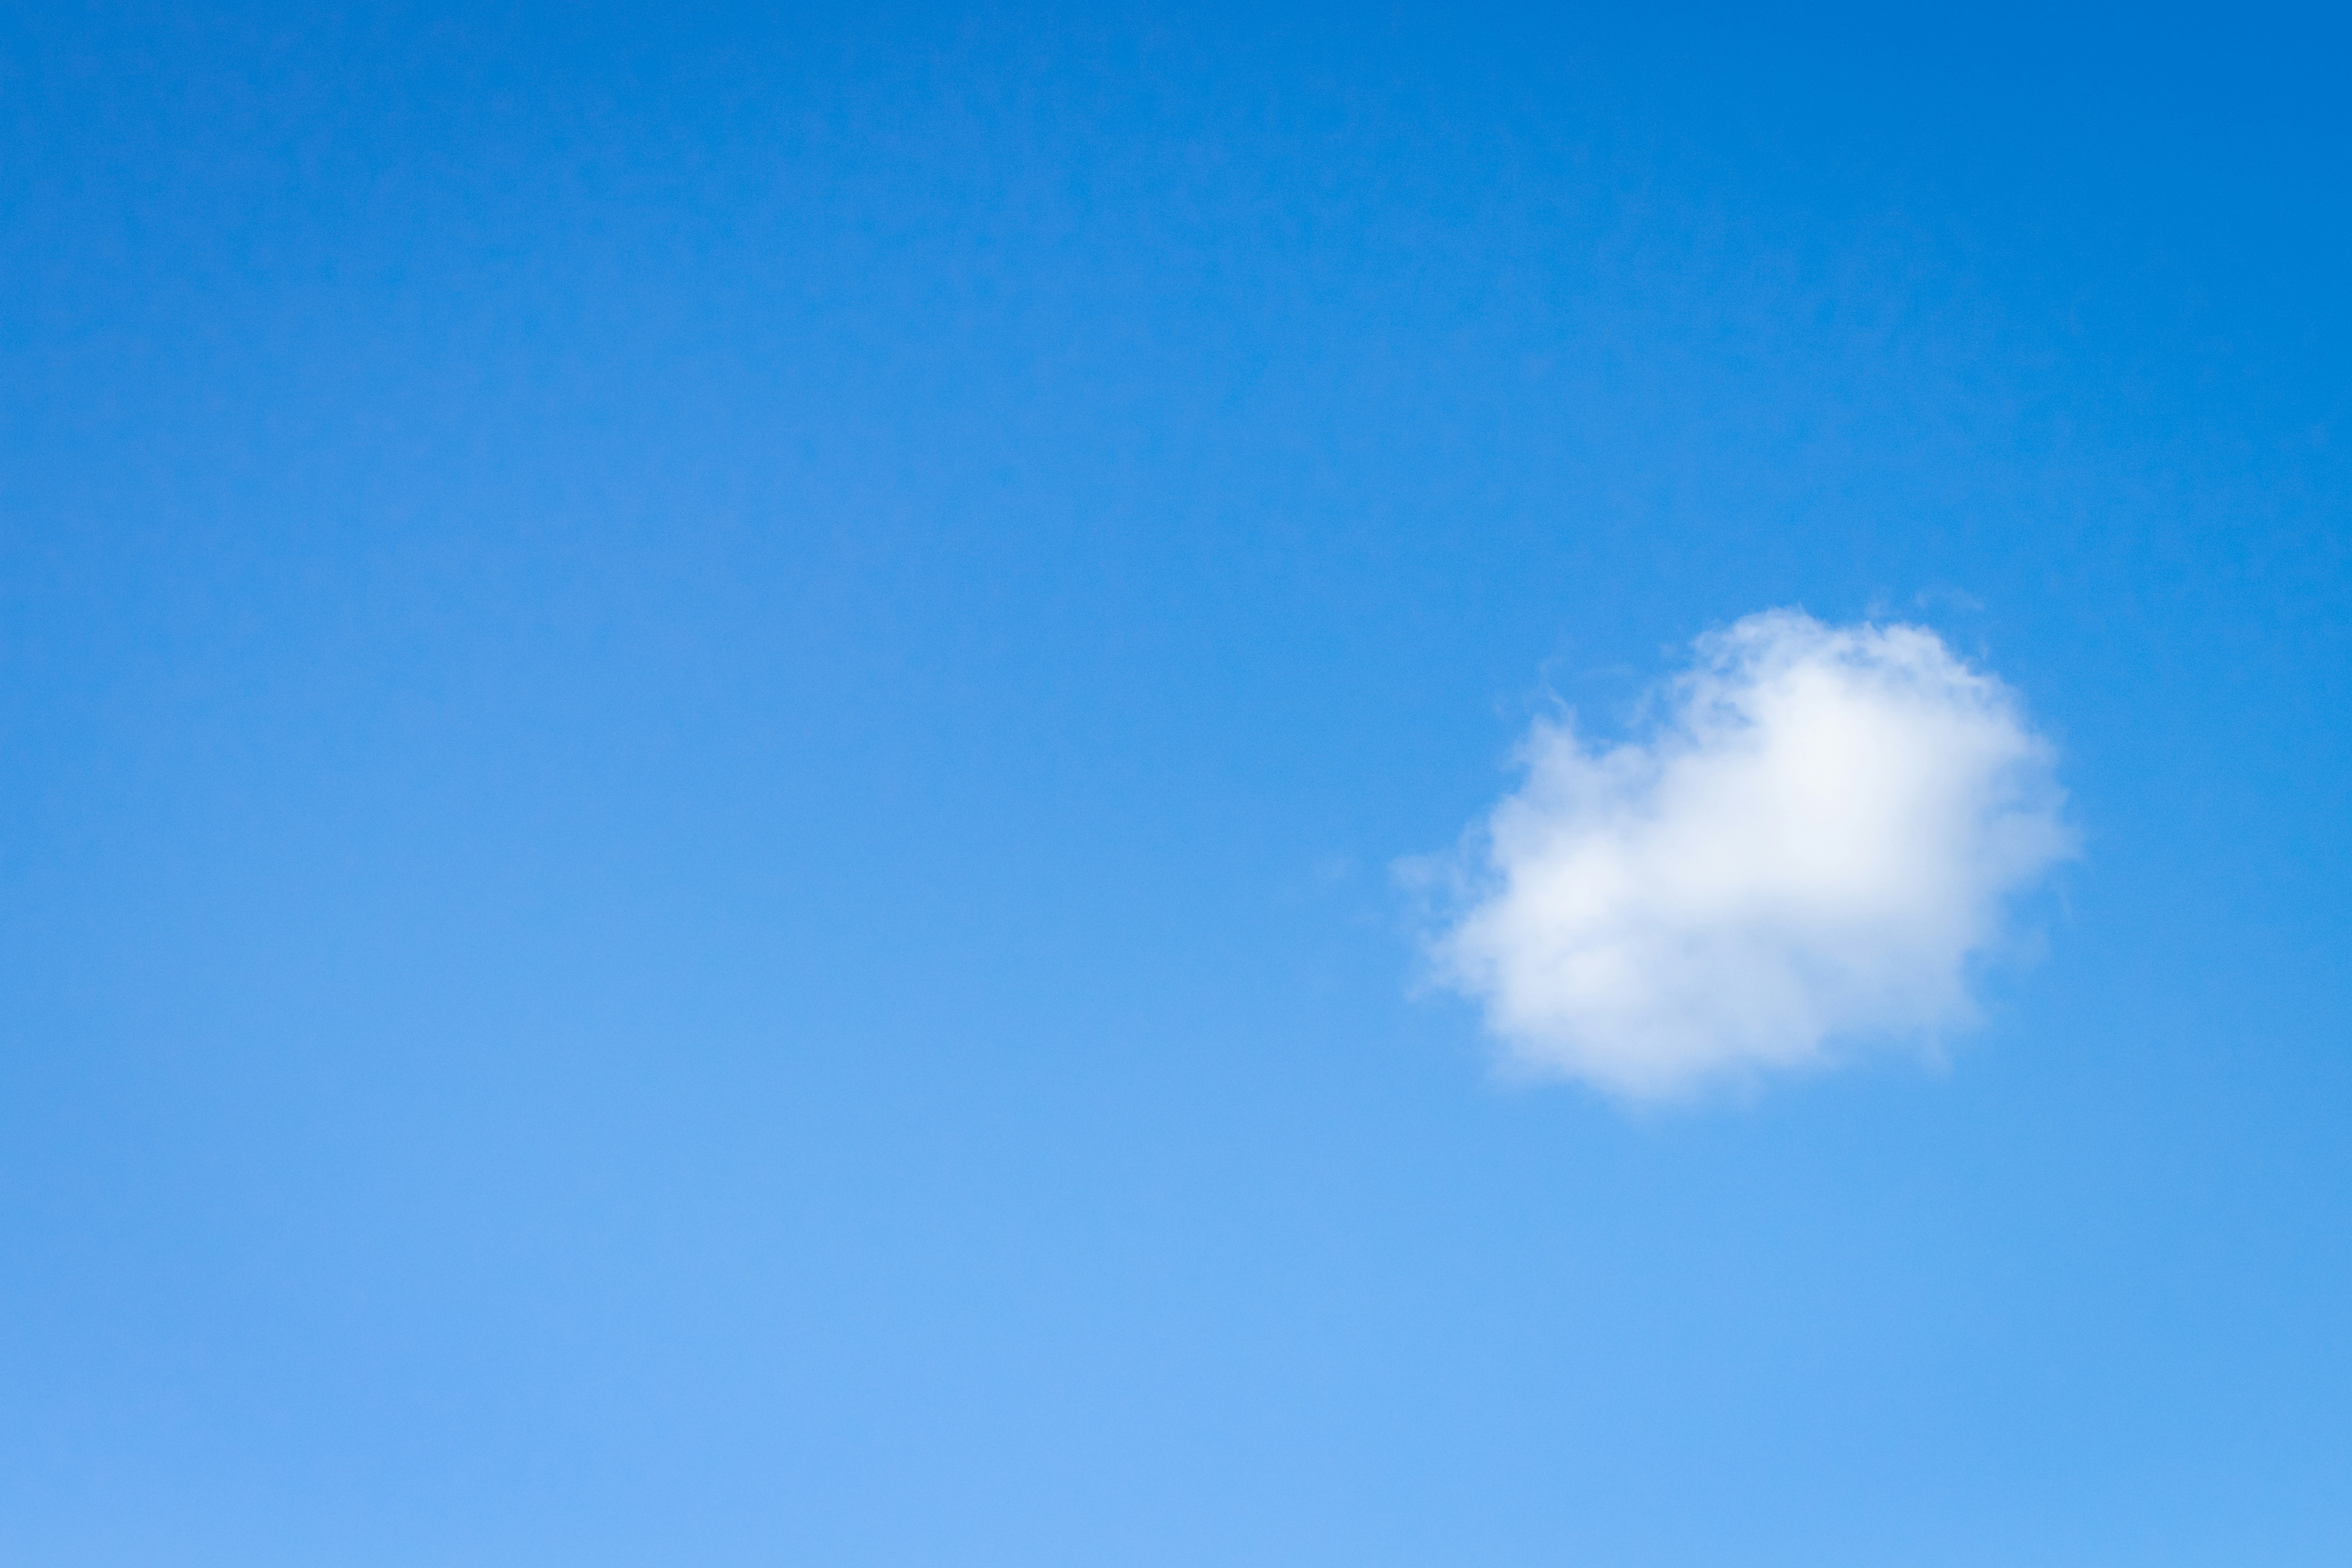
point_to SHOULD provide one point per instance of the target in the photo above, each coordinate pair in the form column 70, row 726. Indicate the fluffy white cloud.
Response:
column 1821, row 832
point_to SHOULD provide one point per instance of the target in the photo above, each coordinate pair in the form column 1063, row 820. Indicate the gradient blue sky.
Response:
column 707, row 714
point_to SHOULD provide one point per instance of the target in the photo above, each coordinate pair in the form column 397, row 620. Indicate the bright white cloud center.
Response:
column 1823, row 830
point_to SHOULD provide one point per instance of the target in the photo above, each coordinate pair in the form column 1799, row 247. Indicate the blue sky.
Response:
column 724, row 731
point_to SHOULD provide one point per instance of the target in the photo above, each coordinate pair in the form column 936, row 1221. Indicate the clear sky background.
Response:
column 709, row 715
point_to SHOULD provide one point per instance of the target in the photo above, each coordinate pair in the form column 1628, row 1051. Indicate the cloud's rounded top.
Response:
column 1824, row 828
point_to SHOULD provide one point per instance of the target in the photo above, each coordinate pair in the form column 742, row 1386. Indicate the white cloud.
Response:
column 1822, row 832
